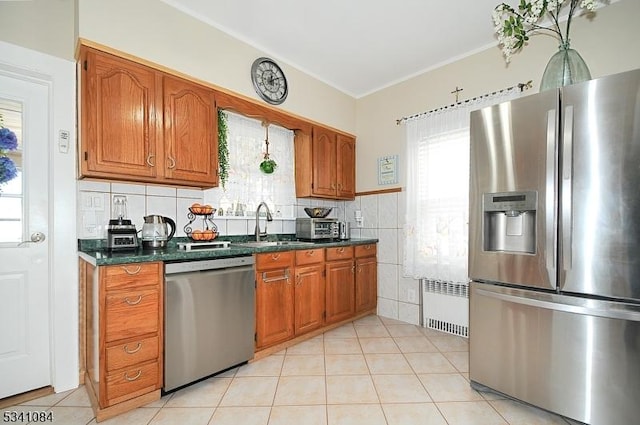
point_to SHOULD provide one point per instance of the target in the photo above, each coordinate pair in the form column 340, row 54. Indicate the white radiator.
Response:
column 445, row 306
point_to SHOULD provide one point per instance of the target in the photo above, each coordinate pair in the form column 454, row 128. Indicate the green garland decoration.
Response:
column 223, row 148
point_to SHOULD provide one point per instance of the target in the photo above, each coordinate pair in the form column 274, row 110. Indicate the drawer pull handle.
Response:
column 341, row 250
column 149, row 163
column 128, row 301
column 136, row 270
column 367, row 247
column 310, row 253
column 133, row 378
column 266, row 279
column 275, row 256
column 135, row 350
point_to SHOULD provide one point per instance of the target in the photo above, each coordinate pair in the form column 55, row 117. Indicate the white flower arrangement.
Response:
column 514, row 26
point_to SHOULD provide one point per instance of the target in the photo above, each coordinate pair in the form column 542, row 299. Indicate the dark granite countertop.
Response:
column 94, row 250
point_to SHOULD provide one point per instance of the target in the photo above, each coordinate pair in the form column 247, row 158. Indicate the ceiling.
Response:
column 356, row 46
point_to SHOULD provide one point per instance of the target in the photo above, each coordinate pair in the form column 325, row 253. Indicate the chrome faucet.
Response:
column 260, row 234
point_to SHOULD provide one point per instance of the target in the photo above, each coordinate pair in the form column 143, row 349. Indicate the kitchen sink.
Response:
column 256, row 244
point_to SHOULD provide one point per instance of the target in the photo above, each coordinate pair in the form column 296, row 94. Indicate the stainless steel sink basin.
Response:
column 262, row 244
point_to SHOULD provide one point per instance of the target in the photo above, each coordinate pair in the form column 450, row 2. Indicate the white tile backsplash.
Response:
column 388, row 211
column 409, row 313
column 369, row 208
column 388, row 246
column 388, row 281
column 162, row 191
column 128, row 188
column 388, row 308
column 94, row 186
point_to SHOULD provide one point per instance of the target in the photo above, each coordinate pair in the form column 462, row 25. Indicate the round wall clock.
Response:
column 269, row 81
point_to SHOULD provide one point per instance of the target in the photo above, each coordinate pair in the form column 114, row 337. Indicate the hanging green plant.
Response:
column 223, row 148
column 268, row 165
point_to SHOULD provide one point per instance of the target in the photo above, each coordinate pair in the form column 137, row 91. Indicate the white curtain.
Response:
column 437, row 206
column 247, row 184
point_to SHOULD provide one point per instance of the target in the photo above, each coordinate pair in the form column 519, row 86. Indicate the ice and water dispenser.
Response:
column 509, row 221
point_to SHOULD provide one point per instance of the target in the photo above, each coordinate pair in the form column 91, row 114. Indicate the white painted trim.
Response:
column 59, row 75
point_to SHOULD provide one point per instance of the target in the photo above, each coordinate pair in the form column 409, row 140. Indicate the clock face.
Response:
column 269, row 81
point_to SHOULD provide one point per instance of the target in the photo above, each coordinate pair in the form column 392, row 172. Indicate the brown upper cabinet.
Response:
column 325, row 164
column 140, row 124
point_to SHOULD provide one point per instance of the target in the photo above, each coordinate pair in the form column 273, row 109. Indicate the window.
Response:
column 247, row 185
column 11, row 192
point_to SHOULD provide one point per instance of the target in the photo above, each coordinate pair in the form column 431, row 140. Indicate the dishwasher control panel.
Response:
column 212, row 264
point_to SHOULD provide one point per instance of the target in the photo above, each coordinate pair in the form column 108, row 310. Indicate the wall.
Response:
column 154, row 31
column 608, row 44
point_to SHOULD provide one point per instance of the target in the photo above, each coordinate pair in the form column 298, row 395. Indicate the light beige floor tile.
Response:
column 342, row 346
column 182, row 415
column 228, row 373
column 70, row 415
column 240, row 415
column 78, row 398
column 415, row 344
column 311, row 346
column 344, row 331
column 300, row 391
column 298, row 415
column 303, row 365
column 459, row 359
column 140, row 416
column 372, row 331
column 470, row 413
column 390, row 321
column 521, row 414
column 387, row 364
column 351, row 389
column 490, row 395
column 160, row 402
column 413, row 414
column 345, row 364
column 268, row 366
column 202, row 394
column 371, row 319
column 449, row 387
column 428, row 332
column 369, row 414
column 450, row 343
column 250, row 391
column 378, row 345
column 48, row 400
column 400, row 389
column 430, row 363
column 404, row 330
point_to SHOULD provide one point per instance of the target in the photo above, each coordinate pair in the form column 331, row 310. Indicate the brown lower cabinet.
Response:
column 124, row 335
column 300, row 291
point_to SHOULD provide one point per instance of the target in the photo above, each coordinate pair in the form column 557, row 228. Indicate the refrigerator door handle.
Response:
column 550, row 190
column 567, row 183
column 529, row 299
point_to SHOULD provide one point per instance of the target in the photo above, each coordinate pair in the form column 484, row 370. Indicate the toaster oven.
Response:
column 317, row 228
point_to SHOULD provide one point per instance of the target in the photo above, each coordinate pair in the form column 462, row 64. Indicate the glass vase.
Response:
column 565, row 67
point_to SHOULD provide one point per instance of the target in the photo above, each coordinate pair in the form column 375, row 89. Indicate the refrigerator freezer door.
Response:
column 573, row 356
column 512, row 192
column 600, row 183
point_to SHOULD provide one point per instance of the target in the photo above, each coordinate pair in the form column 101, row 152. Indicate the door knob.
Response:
column 36, row 237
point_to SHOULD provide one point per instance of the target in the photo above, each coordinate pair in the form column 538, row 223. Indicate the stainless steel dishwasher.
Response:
column 209, row 318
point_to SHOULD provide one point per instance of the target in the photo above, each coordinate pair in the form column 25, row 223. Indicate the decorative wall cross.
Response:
column 457, row 92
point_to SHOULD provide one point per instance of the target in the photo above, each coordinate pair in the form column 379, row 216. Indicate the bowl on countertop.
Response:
column 317, row 212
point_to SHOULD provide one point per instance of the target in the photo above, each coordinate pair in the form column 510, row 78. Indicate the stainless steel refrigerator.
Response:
column 554, row 250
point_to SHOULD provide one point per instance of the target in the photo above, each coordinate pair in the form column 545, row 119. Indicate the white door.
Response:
column 24, row 247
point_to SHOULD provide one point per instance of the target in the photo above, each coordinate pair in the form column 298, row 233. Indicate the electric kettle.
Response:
column 155, row 233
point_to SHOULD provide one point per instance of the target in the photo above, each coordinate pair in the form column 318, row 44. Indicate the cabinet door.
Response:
column 118, row 107
column 340, row 291
column 366, row 283
column 274, row 307
column 346, row 167
column 190, row 133
column 309, row 298
column 324, row 162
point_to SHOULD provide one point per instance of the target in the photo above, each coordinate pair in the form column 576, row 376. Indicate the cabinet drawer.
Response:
column 132, row 313
column 368, row 250
column 130, row 353
column 339, row 253
column 132, row 382
column 274, row 260
column 309, row 256
column 132, row 275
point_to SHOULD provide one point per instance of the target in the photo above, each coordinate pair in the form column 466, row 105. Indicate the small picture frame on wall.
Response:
column 388, row 169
